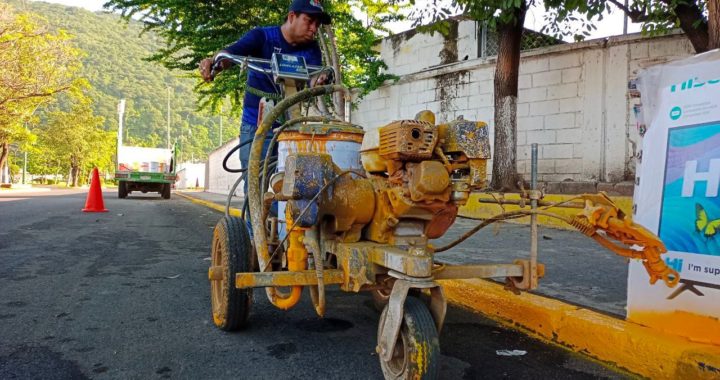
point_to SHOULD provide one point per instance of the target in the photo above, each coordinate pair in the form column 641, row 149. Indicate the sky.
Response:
column 611, row 25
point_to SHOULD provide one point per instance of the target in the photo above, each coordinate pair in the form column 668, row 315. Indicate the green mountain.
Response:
column 113, row 64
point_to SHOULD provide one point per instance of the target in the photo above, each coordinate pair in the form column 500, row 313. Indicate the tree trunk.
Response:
column 504, row 171
column 75, row 174
column 338, row 97
column 4, row 151
column 713, row 24
column 688, row 14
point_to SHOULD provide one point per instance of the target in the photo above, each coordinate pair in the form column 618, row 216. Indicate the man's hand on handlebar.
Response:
column 205, row 68
column 326, row 76
column 319, row 80
column 209, row 67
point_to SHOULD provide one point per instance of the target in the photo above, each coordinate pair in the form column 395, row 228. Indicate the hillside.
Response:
column 114, row 65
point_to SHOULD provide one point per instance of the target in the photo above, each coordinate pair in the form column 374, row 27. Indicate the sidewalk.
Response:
column 22, row 188
column 580, row 302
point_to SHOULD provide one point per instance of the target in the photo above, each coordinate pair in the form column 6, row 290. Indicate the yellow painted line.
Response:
column 636, row 348
column 476, row 210
column 212, row 205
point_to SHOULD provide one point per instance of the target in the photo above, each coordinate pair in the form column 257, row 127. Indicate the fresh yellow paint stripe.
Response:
column 476, row 210
column 209, row 204
column 637, row 348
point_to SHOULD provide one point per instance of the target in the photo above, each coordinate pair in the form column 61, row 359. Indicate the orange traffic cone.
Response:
column 94, row 202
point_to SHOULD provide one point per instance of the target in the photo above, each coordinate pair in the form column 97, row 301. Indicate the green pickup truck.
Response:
column 146, row 170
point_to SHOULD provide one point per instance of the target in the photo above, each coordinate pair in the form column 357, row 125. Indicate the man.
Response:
column 296, row 36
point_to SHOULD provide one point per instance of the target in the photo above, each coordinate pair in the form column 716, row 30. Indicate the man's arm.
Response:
column 248, row 45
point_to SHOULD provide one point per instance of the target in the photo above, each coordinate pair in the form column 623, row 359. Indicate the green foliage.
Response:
column 193, row 31
column 72, row 137
column 115, row 66
column 35, row 64
column 657, row 17
column 362, row 67
column 492, row 12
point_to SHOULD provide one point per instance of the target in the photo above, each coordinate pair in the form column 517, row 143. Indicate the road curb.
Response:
column 627, row 345
column 630, row 346
column 476, row 210
column 233, row 211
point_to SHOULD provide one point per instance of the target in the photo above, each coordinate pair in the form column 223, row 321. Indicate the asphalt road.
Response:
column 125, row 294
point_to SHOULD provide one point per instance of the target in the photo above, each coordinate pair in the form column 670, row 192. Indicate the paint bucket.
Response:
column 341, row 141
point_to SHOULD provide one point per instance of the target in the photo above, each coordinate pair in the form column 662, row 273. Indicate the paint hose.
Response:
column 254, row 191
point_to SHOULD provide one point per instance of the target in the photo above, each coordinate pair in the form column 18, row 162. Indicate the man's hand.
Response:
column 320, row 79
column 205, row 68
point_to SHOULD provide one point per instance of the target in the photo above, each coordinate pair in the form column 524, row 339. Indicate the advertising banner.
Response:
column 676, row 196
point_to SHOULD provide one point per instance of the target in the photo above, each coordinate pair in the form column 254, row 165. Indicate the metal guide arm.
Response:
column 604, row 222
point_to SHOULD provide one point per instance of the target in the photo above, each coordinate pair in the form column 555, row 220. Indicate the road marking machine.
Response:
column 341, row 205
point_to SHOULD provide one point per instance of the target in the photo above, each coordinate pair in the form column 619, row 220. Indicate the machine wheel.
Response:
column 231, row 253
column 166, row 191
column 122, row 190
column 417, row 350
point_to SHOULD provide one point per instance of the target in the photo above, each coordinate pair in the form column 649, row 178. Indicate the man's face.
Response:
column 303, row 26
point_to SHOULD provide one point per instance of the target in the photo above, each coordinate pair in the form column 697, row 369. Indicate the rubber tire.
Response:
column 232, row 248
column 122, row 190
column 166, row 191
column 418, row 331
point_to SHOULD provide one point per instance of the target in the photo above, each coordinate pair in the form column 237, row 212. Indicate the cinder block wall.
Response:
column 217, row 179
column 573, row 99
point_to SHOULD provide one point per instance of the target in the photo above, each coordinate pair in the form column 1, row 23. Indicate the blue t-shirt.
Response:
column 262, row 43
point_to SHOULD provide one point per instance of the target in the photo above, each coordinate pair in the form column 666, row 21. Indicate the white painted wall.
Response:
column 573, row 98
column 218, row 180
column 189, row 175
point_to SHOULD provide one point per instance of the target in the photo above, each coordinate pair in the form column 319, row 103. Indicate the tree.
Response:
column 74, row 139
column 507, row 18
column 34, row 66
column 698, row 19
column 195, row 30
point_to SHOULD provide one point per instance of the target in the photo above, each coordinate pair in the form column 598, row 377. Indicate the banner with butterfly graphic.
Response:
column 676, row 196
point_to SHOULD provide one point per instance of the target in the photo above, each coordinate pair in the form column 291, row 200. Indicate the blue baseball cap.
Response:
column 311, row 7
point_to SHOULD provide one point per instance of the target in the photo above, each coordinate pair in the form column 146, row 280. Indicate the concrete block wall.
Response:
column 401, row 51
column 217, row 179
column 572, row 100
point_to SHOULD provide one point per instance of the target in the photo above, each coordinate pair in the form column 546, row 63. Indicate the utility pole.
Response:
column 168, row 117
column 121, row 112
column 221, row 120
column 625, row 19
column 24, row 161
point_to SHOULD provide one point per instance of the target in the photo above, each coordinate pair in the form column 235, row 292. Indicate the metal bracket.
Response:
column 525, row 281
column 392, row 319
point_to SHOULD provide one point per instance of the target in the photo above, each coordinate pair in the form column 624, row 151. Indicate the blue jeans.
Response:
column 247, row 133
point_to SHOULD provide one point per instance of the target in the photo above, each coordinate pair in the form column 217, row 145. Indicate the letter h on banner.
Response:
column 712, row 177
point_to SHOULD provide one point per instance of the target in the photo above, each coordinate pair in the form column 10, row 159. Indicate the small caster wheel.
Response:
column 416, row 354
